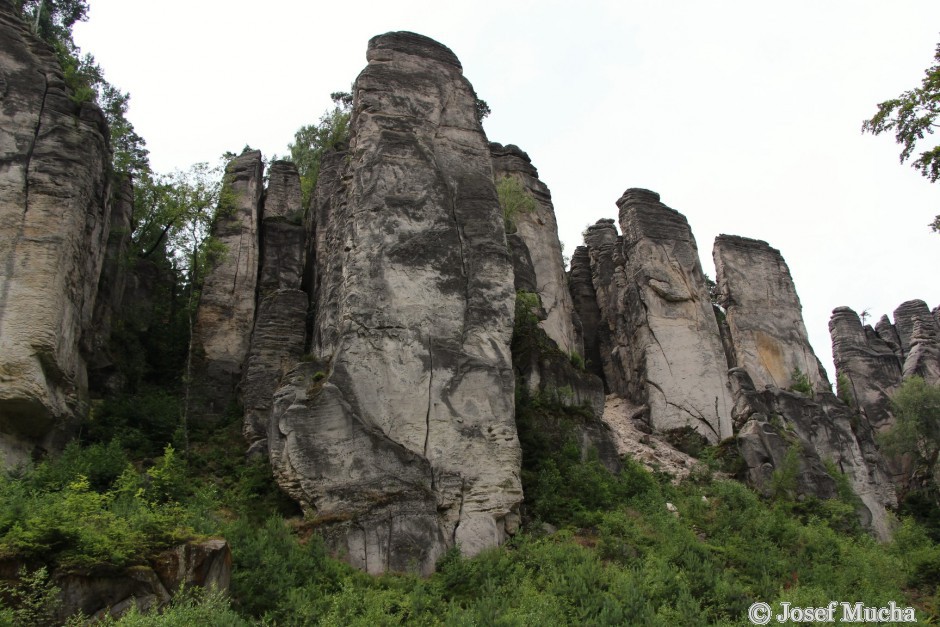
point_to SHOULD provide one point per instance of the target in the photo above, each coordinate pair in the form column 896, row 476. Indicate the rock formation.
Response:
column 867, row 364
column 676, row 361
column 277, row 341
column 226, row 313
column 398, row 434
column 764, row 315
column 538, row 232
column 659, row 342
column 54, row 216
column 110, row 297
column 874, row 362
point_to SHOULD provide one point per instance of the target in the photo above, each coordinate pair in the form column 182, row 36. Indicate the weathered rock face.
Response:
column 282, row 231
column 538, row 231
column 675, row 346
column 111, row 287
column 867, row 363
column 399, row 436
column 764, row 314
column 279, row 335
column 775, row 427
column 920, row 341
column 226, row 313
column 773, row 422
column 584, row 300
column 54, row 211
column 206, row 564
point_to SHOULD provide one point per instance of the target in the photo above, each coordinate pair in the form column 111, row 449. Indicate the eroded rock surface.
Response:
column 675, row 347
column 226, row 313
column 399, row 435
column 783, row 431
column 764, row 314
column 54, row 224
column 867, row 363
column 538, row 231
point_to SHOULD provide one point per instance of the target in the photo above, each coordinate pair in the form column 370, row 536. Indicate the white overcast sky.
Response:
column 743, row 115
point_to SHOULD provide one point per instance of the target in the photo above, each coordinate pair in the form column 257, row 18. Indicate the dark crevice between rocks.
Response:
column 32, row 145
column 427, row 418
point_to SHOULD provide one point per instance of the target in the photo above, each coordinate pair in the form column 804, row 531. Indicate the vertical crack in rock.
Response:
column 32, row 145
column 427, row 433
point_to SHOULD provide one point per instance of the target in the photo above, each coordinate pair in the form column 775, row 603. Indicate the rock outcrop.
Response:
column 226, row 313
column 764, row 314
column 54, row 220
column 538, row 232
column 279, row 335
column 778, row 428
column 787, row 432
column 207, row 564
column 659, row 341
column 398, row 435
column 867, row 364
column 110, row 297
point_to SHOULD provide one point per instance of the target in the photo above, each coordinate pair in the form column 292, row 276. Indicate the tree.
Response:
column 312, row 140
column 916, row 434
column 53, row 19
column 912, row 116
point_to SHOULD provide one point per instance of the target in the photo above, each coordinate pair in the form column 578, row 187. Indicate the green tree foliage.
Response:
column 912, row 116
column 514, row 199
column 312, row 140
column 916, row 433
column 53, row 19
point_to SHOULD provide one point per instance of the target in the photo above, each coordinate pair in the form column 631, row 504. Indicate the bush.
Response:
column 514, row 199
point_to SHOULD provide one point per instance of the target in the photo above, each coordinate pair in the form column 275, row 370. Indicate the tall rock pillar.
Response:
column 764, row 314
column 676, row 346
column 226, row 312
column 398, row 434
column 54, row 223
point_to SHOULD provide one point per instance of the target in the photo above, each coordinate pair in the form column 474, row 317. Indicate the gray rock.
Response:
column 111, row 286
column 54, row 223
column 867, row 363
column 906, row 315
column 775, row 422
column 277, row 344
column 283, row 235
column 399, row 438
column 675, row 346
column 206, row 563
column 581, row 286
column 764, row 314
column 226, row 313
column 538, row 231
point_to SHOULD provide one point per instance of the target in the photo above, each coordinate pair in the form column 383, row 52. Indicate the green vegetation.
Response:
column 312, row 140
column 800, row 383
column 916, row 438
column 618, row 557
column 911, row 117
column 514, row 200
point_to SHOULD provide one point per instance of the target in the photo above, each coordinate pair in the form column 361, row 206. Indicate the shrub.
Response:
column 800, row 383
column 514, row 199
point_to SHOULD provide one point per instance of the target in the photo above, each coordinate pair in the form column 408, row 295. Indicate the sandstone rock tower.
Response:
column 399, row 431
column 55, row 215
